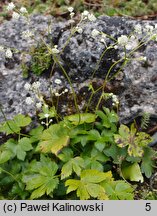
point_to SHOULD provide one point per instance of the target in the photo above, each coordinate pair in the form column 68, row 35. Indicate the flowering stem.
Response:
column 102, row 55
column 73, row 92
column 106, row 80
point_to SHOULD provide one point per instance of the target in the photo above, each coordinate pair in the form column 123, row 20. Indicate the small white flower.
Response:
column 15, row 15
column 27, row 34
column 57, row 94
column 132, row 43
column 79, row 30
column 70, row 9
column 29, row 100
column 95, row 33
column 8, row 53
column 23, row 10
column 38, row 105
column 149, row 28
column 103, row 35
column 123, row 40
column 66, row 90
column 10, row 6
column 51, row 120
column 55, row 50
column 58, row 81
column 27, row 86
column 91, row 17
column 110, row 94
column 85, row 13
column 138, row 29
column 143, row 58
column 1, row 48
column 103, row 38
column 72, row 15
column 115, row 47
column 36, row 85
column 115, row 100
column 46, row 115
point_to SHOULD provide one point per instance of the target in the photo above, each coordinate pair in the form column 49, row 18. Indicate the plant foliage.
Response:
column 73, row 158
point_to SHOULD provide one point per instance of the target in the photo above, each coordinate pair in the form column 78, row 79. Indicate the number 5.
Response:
column 148, row 207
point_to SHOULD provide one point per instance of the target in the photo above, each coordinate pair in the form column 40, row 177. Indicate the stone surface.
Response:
column 136, row 89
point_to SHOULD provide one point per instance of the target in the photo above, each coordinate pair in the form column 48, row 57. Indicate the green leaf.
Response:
column 109, row 118
column 118, row 190
column 14, row 126
column 53, row 139
column 19, row 148
column 88, row 186
column 73, row 185
column 66, row 155
column 116, row 153
column 22, row 120
column 95, row 160
column 23, row 146
column 5, row 155
column 105, row 120
column 74, row 164
column 132, row 172
column 147, row 162
column 36, row 133
column 9, row 127
column 93, row 176
column 81, row 118
column 41, row 177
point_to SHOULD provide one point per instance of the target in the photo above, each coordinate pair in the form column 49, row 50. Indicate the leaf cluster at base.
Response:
column 83, row 156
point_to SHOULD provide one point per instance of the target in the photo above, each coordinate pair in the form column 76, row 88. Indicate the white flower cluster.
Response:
column 27, row 34
column 59, row 94
column 36, row 85
column 55, row 50
column 8, row 52
column 23, row 10
column 148, row 30
column 128, row 42
column 29, row 101
column 15, row 15
column 10, row 6
column 35, row 89
column 123, row 40
column 138, row 29
column 79, row 29
column 71, row 10
column 95, row 33
column 115, row 101
column 86, row 15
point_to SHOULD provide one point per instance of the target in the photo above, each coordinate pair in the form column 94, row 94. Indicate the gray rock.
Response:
column 136, row 89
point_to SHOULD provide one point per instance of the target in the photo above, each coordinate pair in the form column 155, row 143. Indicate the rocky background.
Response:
column 136, row 87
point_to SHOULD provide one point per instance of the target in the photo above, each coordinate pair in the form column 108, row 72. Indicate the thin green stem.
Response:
column 9, row 174
column 97, row 65
column 66, row 75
